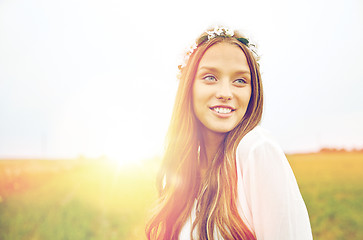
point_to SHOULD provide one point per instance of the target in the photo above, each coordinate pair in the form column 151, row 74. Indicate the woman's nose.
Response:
column 224, row 92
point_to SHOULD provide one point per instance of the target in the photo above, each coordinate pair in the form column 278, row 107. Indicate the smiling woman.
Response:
column 221, row 93
column 223, row 176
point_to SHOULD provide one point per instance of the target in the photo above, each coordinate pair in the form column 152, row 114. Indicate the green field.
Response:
column 83, row 199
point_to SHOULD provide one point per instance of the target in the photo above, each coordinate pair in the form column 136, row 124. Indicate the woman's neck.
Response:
column 212, row 142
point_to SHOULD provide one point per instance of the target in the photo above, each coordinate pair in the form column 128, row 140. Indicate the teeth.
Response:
column 222, row 110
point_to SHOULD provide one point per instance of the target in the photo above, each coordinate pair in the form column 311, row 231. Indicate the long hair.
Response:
column 178, row 181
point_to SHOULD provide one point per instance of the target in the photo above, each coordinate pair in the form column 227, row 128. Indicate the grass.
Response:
column 77, row 201
column 332, row 187
column 72, row 199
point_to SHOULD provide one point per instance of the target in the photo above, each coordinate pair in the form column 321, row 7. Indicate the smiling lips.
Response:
column 223, row 110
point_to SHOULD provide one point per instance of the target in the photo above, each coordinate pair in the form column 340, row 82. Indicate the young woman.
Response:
column 223, row 176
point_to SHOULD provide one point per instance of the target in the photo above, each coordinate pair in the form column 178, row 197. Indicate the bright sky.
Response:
column 99, row 77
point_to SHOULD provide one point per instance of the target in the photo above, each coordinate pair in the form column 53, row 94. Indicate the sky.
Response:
column 98, row 78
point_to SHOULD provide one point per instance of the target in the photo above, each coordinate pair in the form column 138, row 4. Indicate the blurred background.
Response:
column 87, row 89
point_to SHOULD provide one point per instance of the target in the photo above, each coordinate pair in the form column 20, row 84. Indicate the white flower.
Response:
column 229, row 32
column 193, row 47
column 187, row 55
column 211, row 34
column 218, row 30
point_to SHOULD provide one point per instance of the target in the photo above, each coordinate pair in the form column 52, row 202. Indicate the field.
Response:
column 96, row 199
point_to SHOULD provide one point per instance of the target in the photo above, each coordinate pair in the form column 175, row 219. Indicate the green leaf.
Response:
column 243, row 40
column 202, row 39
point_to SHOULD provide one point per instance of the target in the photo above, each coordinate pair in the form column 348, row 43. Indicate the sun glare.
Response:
column 125, row 128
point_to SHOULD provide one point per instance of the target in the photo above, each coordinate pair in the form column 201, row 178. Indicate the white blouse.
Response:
column 269, row 200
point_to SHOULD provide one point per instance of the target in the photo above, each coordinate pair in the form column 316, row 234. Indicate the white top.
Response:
column 269, row 200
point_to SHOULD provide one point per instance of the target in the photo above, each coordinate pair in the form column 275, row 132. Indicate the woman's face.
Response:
column 222, row 88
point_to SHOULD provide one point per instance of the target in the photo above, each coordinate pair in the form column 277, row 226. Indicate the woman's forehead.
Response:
column 224, row 55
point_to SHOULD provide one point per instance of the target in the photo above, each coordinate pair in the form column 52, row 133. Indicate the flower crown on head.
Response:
column 223, row 32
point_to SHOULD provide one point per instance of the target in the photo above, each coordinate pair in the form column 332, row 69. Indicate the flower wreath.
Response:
column 217, row 32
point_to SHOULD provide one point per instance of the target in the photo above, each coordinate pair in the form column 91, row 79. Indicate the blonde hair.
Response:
column 178, row 181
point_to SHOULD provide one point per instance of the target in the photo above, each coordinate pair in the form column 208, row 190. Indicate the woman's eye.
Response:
column 210, row 78
column 240, row 81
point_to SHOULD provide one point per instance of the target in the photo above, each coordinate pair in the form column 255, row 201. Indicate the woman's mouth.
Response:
column 222, row 109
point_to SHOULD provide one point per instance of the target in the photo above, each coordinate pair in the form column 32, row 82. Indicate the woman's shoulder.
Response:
column 258, row 139
column 268, row 191
column 258, row 136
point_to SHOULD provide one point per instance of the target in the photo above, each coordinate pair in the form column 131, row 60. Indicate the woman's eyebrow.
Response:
column 207, row 68
column 213, row 69
column 243, row 72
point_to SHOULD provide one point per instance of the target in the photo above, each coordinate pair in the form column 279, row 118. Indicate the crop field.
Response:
column 96, row 199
